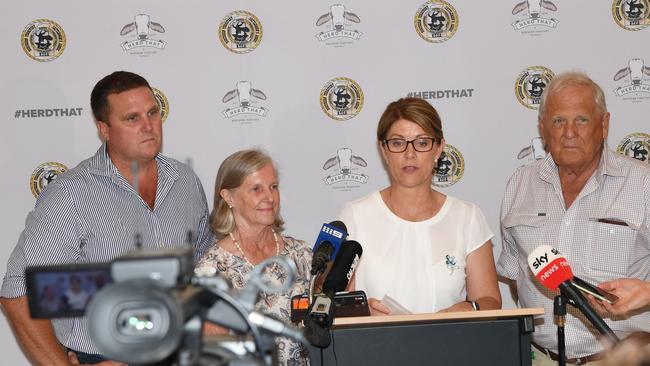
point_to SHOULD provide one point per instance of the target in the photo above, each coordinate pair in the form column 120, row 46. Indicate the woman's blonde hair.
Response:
column 232, row 173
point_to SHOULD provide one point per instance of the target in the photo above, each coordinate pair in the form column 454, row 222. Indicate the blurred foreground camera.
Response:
column 152, row 307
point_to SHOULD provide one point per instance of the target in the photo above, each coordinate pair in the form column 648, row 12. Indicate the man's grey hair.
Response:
column 573, row 78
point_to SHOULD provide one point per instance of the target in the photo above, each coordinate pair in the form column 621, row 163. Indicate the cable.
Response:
column 257, row 336
column 336, row 360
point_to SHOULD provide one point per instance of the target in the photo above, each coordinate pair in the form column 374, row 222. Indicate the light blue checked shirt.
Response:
column 91, row 214
column 533, row 214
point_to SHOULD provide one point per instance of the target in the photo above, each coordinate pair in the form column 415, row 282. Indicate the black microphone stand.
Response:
column 579, row 302
column 559, row 310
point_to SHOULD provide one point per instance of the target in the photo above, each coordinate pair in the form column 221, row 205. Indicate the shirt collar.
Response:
column 607, row 165
column 101, row 164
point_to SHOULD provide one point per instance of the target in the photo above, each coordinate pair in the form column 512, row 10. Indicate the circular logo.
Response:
column 632, row 15
column 341, row 98
column 436, row 21
column 240, row 31
column 43, row 175
column 163, row 103
column 635, row 145
column 43, row 40
column 449, row 168
column 530, row 85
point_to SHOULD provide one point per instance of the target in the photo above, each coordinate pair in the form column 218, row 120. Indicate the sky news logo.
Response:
column 48, row 112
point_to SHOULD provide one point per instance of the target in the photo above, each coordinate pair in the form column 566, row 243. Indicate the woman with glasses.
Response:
column 425, row 250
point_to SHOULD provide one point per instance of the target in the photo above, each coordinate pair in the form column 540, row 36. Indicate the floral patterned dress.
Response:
column 237, row 270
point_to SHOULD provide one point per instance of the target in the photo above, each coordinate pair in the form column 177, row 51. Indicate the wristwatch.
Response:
column 474, row 305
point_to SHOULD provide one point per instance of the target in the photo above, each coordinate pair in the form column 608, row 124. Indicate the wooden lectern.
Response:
column 491, row 337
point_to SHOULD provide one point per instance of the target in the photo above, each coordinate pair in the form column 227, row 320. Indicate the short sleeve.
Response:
column 479, row 231
column 507, row 265
column 51, row 236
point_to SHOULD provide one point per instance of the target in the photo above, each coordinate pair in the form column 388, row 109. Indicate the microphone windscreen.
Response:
column 344, row 266
column 340, row 225
column 549, row 266
column 315, row 334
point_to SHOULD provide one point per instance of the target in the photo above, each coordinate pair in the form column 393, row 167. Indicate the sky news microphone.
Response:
column 327, row 245
column 553, row 271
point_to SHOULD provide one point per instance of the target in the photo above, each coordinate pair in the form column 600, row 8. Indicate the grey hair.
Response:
column 570, row 78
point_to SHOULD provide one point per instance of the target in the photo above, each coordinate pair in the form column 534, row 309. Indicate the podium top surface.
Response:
column 434, row 317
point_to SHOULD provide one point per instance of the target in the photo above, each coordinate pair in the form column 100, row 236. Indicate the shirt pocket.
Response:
column 612, row 245
column 526, row 229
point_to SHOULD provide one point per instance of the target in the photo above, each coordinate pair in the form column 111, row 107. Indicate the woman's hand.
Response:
column 460, row 306
column 377, row 308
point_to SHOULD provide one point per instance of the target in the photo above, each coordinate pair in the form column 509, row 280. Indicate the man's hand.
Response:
column 35, row 336
column 75, row 361
column 633, row 294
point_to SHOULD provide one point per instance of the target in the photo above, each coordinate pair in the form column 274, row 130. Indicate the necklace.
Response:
column 275, row 238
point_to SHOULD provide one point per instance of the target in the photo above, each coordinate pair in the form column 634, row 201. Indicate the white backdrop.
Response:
column 470, row 76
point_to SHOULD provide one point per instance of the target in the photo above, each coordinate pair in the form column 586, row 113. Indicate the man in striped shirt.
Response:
column 587, row 201
column 92, row 213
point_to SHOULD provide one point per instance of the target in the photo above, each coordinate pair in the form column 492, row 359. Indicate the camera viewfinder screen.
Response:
column 64, row 291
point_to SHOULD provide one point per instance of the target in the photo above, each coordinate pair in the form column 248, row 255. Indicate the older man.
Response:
column 590, row 203
column 92, row 213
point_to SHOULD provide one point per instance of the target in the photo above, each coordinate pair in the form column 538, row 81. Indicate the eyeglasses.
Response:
column 420, row 144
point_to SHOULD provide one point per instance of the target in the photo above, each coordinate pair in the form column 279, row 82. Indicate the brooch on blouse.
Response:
column 450, row 261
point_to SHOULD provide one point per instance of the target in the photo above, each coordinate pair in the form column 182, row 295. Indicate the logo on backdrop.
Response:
column 163, row 103
column 534, row 151
column 442, row 94
column 345, row 164
column 635, row 145
column 635, row 81
column 240, row 31
column 43, row 175
column 341, row 98
column 530, row 85
column 449, row 168
column 43, row 40
column 243, row 100
column 338, row 21
column 436, row 21
column 48, row 112
column 632, row 15
column 141, row 32
column 532, row 16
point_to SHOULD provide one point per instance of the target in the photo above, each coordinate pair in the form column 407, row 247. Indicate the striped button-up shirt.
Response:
column 91, row 214
column 604, row 234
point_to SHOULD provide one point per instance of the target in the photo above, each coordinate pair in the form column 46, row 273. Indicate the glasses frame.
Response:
column 412, row 142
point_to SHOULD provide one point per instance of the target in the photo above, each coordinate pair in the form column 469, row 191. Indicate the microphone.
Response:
column 553, row 271
column 344, row 266
column 321, row 313
column 327, row 245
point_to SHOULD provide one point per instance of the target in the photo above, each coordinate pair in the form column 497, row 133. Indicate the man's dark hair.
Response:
column 117, row 82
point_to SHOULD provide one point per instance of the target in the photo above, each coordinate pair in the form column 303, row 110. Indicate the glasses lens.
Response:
column 423, row 144
column 396, row 145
